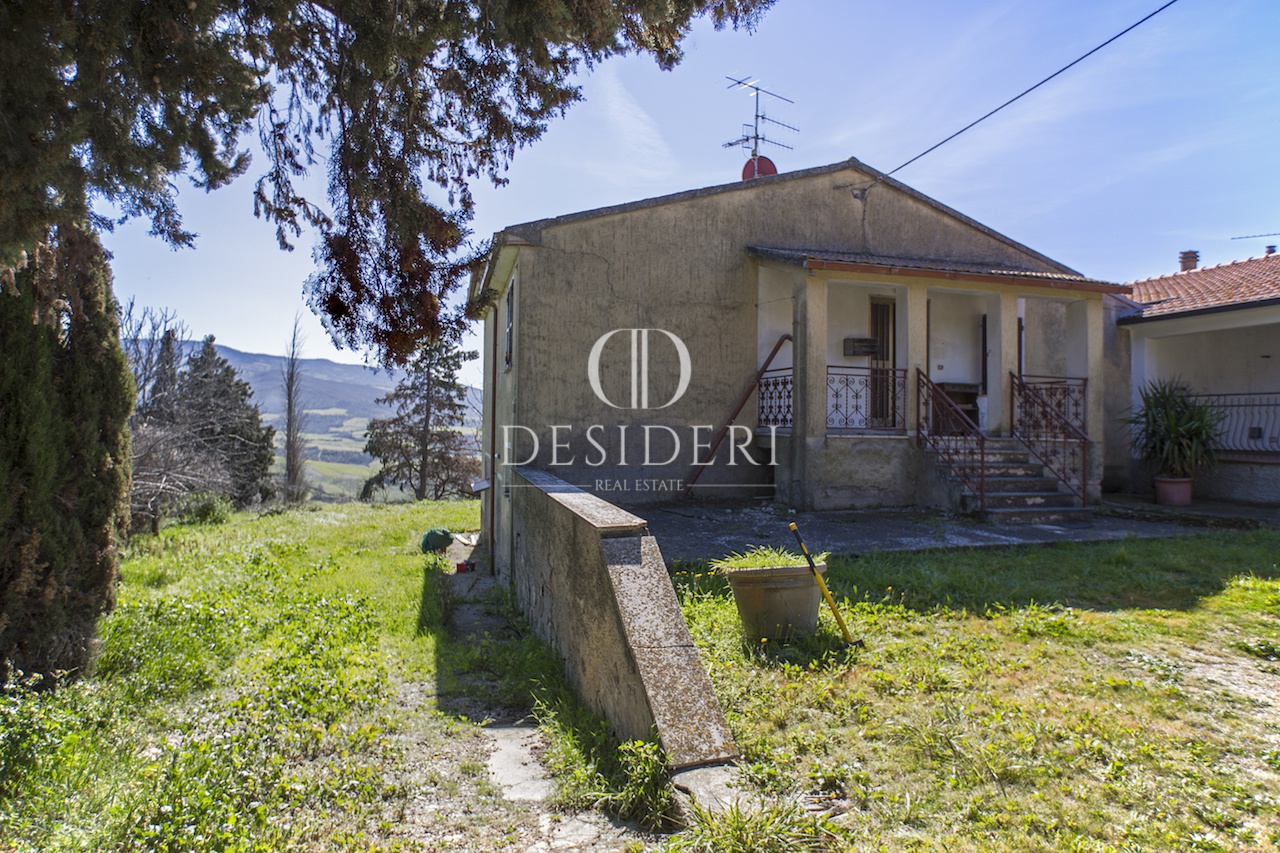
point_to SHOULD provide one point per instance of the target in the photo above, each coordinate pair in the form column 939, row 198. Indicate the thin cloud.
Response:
column 638, row 153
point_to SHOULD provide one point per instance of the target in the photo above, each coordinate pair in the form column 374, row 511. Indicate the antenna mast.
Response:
column 751, row 136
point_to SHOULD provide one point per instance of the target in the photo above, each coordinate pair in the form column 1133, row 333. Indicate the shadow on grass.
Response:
column 1165, row 574
column 488, row 664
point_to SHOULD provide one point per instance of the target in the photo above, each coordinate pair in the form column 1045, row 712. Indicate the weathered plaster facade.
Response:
column 727, row 270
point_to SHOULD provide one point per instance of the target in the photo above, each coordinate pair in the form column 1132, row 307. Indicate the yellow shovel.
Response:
column 826, row 593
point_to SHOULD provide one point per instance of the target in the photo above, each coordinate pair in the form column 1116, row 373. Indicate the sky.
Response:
column 1166, row 140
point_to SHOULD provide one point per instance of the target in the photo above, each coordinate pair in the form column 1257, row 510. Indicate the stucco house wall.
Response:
column 680, row 266
column 686, row 265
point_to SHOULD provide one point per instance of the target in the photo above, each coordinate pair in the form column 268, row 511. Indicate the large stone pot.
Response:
column 1173, row 491
column 777, row 602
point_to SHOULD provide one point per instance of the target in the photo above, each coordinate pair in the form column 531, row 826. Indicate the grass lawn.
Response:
column 285, row 682
column 1109, row 697
column 267, row 684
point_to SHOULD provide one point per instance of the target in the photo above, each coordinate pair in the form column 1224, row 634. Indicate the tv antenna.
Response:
column 752, row 138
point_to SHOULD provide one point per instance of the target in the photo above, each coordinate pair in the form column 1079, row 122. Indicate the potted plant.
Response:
column 1178, row 432
column 775, row 591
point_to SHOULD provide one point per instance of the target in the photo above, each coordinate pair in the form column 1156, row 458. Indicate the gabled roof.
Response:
column 930, row 267
column 1249, row 283
column 530, row 233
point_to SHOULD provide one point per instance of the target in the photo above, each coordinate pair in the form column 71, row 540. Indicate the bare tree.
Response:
column 296, row 485
column 150, row 339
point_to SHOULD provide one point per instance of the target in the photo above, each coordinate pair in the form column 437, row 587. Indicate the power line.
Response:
column 1023, row 93
column 1254, row 236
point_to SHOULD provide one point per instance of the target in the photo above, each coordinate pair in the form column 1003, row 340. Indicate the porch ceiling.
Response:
column 930, row 268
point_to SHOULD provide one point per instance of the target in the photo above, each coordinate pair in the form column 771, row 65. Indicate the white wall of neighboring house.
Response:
column 1228, row 352
column 1224, row 352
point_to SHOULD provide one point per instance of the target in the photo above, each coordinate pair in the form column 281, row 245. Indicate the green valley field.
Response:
column 287, row 682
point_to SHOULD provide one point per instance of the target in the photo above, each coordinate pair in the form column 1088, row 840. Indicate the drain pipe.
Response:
column 493, row 452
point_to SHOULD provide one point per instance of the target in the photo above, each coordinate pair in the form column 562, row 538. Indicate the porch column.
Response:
column 917, row 311
column 809, row 384
column 1005, row 305
column 1142, row 360
column 1085, row 358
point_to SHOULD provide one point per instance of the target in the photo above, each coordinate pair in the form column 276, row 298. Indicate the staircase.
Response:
column 1020, row 491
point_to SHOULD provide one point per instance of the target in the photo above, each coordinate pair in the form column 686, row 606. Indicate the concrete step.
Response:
column 1028, row 500
column 1013, row 469
column 1013, row 454
column 1021, row 484
column 1044, row 515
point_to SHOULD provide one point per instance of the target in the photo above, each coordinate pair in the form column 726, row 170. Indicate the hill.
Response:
column 339, row 401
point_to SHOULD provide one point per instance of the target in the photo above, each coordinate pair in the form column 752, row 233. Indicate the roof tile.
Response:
column 1234, row 284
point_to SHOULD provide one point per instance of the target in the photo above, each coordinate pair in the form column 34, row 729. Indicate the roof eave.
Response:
column 951, row 275
column 501, row 258
column 1134, row 319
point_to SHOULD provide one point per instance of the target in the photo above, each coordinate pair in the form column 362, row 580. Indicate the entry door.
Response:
column 883, row 388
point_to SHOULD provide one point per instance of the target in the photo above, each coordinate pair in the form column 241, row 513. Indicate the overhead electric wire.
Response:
column 1024, row 93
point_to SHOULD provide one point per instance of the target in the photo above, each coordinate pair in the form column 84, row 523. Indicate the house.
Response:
column 1217, row 329
column 829, row 338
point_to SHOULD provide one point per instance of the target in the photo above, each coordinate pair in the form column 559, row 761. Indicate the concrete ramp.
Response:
column 593, row 584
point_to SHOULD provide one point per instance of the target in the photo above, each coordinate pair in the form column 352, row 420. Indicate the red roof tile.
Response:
column 1236, row 284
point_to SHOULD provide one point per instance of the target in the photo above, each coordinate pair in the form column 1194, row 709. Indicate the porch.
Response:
column 885, row 361
column 1047, row 446
column 1239, row 379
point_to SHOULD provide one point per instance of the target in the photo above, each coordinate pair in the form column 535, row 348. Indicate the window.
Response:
column 511, row 316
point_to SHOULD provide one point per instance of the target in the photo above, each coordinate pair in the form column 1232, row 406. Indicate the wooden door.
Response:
column 883, row 388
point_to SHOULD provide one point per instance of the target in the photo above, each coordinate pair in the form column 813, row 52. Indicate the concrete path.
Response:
column 514, row 744
column 699, row 530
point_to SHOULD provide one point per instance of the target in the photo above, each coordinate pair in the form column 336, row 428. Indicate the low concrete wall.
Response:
column 850, row 471
column 1240, row 481
column 594, row 586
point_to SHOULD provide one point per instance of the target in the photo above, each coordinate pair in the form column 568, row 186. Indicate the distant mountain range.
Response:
column 339, row 400
column 326, row 385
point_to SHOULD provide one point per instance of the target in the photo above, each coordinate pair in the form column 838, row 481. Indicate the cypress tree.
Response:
column 65, row 398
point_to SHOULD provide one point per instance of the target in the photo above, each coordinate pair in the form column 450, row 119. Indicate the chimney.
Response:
column 1271, row 250
column 1189, row 260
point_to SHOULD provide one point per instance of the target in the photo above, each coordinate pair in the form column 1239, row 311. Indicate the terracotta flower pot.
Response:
column 778, row 602
column 1173, row 491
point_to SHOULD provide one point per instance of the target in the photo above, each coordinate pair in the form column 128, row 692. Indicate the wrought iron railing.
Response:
column 1052, row 437
column 1064, row 393
column 946, row 430
column 775, row 398
column 1251, row 422
column 866, row 398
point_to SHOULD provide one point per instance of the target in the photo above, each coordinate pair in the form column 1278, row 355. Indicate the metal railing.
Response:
column 775, row 398
column 1067, row 394
column 946, row 430
column 1052, row 436
column 1251, row 422
column 866, row 398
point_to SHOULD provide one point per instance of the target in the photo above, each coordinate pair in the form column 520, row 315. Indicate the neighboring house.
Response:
column 619, row 341
column 1217, row 329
